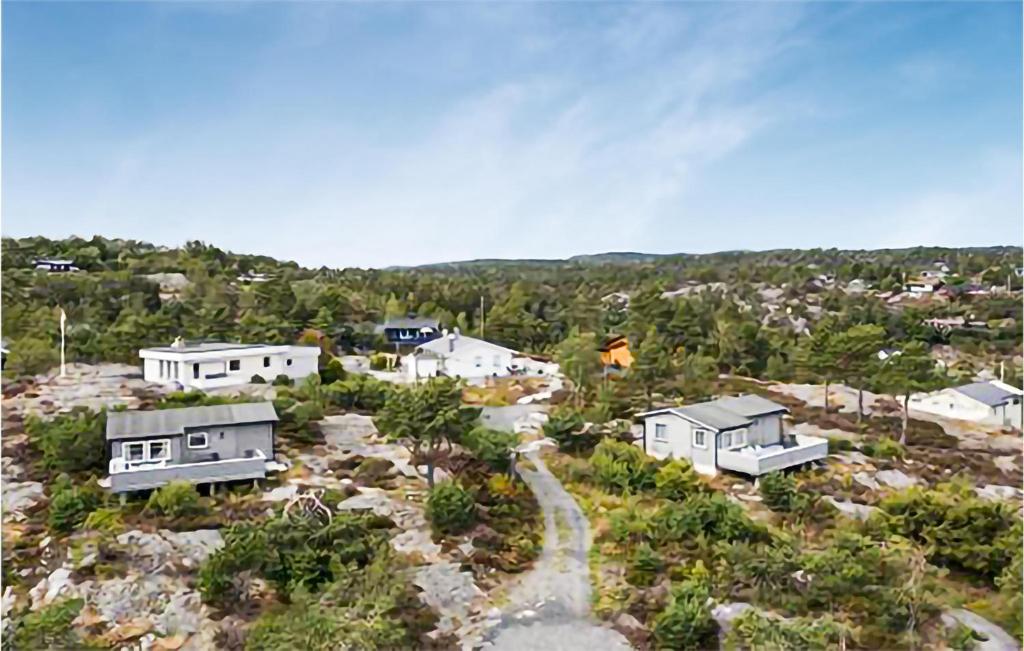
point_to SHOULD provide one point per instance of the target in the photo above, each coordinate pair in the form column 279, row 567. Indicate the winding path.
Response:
column 550, row 607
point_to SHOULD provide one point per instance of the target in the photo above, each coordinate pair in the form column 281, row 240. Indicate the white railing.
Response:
column 119, row 465
column 808, row 448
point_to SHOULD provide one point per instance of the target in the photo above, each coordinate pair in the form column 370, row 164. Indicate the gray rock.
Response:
column 997, row 638
column 281, row 493
column 995, row 492
column 896, row 479
column 18, row 497
column 57, row 584
column 627, row 622
column 851, row 509
column 724, row 614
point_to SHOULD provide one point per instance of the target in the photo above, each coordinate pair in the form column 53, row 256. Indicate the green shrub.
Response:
column 358, row 391
column 565, row 426
column 836, row 444
column 676, row 480
column 379, row 362
column 195, row 398
column 884, row 448
column 960, row 529
column 493, row 447
column 621, row 467
column 753, row 630
column 644, row 566
column 257, row 379
column 176, row 499
column 106, row 520
column 686, row 622
column 450, row 508
column 778, row 490
column 710, row 515
column 47, row 628
column 70, row 505
column 333, row 372
column 73, row 442
column 282, row 380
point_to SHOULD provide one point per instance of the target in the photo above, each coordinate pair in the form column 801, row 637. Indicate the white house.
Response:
column 743, row 434
column 456, row 355
column 992, row 403
column 213, row 365
column 53, row 265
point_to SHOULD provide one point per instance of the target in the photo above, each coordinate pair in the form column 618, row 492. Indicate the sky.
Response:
column 378, row 134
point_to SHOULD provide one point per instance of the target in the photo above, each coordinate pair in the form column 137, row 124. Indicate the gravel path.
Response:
column 550, row 607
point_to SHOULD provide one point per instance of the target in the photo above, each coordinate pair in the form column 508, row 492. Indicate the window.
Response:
column 161, row 368
column 478, row 361
column 660, row 432
column 738, row 438
column 176, row 369
column 289, row 362
column 497, row 360
column 142, row 451
column 725, row 440
column 234, row 365
column 198, row 440
column 266, row 362
column 700, row 438
column 195, row 371
column 133, row 451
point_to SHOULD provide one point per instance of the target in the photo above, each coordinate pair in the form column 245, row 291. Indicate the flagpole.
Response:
column 63, row 366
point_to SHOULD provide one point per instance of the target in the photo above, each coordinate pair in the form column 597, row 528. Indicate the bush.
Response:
column 333, row 372
column 753, row 630
column 644, row 566
column 778, row 490
column 676, row 480
column 363, row 392
column 47, row 628
column 195, row 398
column 282, row 380
column 622, row 467
column 884, row 448
column 106, row 520
column 175, row 500
column 71, row 505
column 565, row 426
column 686, row 622
column 257, row 379
column 73, row 442
column 493, row 447
column 379, row 361
column 450, row 508
column 704, row 514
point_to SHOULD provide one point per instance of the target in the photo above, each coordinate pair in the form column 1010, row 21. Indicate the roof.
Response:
column 986, row 393
column 750, row 405
column 725, row 413
column 458, row 343
column 205, row 347
column 411, row 322
column 54, row 261
column 141, row 424
column 710, row 414
column 614, row 341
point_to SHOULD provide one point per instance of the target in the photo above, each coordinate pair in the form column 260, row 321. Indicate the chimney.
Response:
column 178, row 343
column 451, row 342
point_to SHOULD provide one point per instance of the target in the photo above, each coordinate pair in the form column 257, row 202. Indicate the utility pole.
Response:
column 481, row 316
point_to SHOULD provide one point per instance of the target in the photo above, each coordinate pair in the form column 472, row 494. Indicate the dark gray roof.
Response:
column 163, row 422
column 715, row 417
column 986, row 393
column 206, row 347
column 750, row 405
column 411, row 322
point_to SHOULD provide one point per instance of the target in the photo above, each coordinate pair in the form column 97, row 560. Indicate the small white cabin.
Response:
column 456, row 355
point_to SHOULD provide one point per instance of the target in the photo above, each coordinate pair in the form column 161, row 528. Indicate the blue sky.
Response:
column 374, row 134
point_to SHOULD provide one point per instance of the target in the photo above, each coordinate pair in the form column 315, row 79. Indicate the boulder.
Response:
column 896, row 479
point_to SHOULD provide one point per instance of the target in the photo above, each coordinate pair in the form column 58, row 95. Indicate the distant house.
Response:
column 411, row 331
column 923, row 285
column 456, row 355
column 196, row 444
column 250, row 277
column 211, row 365
column 4, row 352
column 617, row 300
column 54, row 265
column 743, row 434
column 993, row 403
column 615, row 352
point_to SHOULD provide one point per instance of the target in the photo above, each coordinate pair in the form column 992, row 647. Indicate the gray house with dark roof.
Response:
column 198, row 444
column 743, row 434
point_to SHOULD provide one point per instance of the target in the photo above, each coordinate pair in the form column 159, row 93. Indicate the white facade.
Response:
column 456, row 355
column 950, row 403
column 210, row 366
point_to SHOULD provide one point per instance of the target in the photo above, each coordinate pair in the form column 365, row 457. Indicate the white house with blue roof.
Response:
column 743, row 434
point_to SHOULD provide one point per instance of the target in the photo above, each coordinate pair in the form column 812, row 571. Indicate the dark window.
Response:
column 266, row 362
column 289, row 362
column 195, row 371
column 234, row 365
column 222, row 436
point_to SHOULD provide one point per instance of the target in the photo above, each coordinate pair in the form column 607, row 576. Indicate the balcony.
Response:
column 756, row 460
column 130, row 476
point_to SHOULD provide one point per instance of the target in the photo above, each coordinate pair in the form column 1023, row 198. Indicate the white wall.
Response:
column 680, row 442
column 267, row 365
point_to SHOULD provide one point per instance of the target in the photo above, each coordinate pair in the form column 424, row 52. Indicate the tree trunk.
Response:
column 860, row 404
column 826, row 395
column 430, row 472
column 906, row 418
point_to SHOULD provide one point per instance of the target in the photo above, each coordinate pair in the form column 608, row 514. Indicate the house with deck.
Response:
column 213, row 365
column 743, row 434
column 202, row 445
